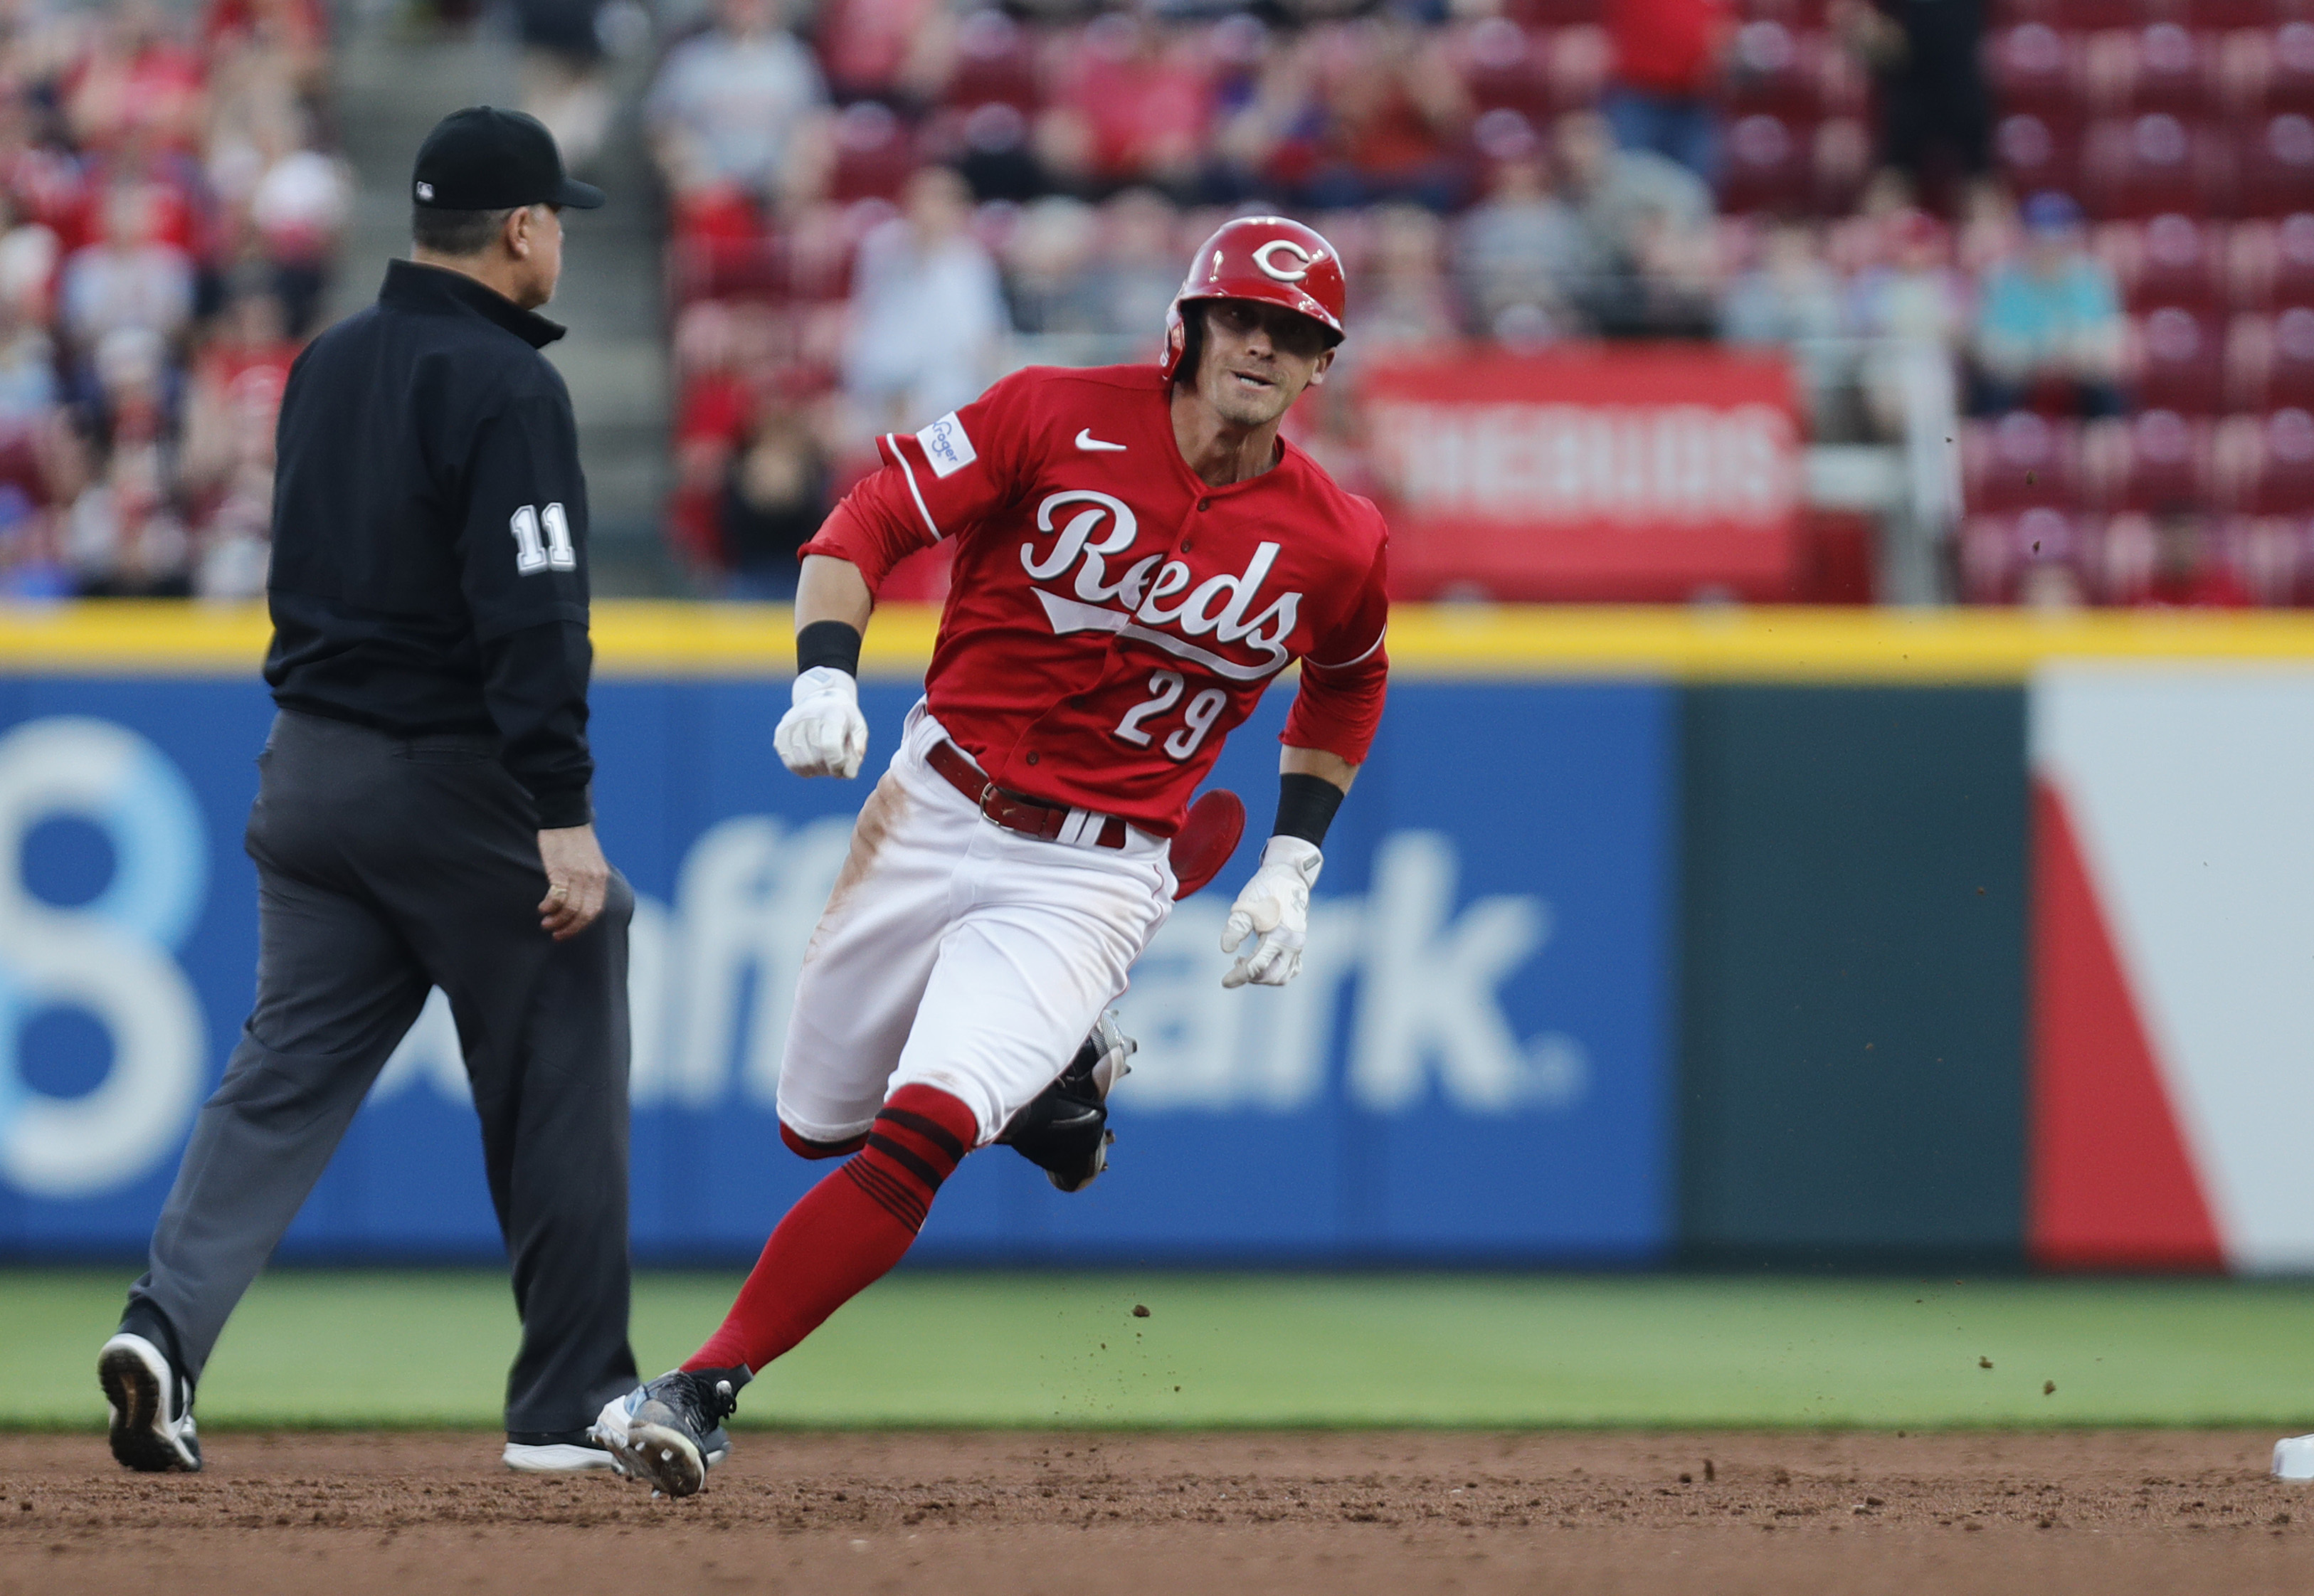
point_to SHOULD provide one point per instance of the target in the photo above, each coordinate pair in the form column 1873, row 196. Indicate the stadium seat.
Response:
column 2273, row 465
column 2004, row 558
column 874, row 154
column 2034, row 153
column 2267, row 71
column 2021, row 461
column 2166, row 67
column 2034, row 69
column 2227, row 16
column 2180, row 360
column 2144, row 165
column 996, row 64
column 1775, row 69
column 2171, row 259
column 2277, row 165
column 2155, row 461
column 1505, row 68
column 1555, row 13
column 1768, row 165
column 2271, row 555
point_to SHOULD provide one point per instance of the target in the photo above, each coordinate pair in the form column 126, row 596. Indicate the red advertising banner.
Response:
column 1610, row 472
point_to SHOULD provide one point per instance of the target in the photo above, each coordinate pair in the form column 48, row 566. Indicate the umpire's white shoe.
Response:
column 152, row 1406
column 562, row 1451
column 669, row 1432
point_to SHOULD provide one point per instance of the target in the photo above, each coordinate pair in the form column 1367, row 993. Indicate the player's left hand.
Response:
column 1274, row 909
column 824, row 734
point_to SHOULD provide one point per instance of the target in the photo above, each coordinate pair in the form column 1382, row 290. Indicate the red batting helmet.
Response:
column 1271, row 259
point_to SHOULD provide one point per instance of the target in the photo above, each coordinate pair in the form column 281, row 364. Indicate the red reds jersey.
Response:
column 1111, row 617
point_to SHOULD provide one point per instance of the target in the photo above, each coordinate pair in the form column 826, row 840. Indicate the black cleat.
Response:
column 669, row 1432
column 1065, row 1129
column 152, row 1404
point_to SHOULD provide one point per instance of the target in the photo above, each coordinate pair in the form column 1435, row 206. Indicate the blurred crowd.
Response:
column 168, row 215
column 2085, row 212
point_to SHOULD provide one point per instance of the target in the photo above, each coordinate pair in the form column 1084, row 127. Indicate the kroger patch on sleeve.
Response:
column 946, row 446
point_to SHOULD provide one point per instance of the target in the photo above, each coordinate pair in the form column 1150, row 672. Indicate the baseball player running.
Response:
column 1138, row 555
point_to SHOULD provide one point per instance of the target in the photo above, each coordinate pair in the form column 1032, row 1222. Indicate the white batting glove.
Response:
column 824, row 735
column 1274, row 909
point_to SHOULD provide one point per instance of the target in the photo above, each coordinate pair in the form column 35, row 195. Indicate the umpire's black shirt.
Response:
column 430, row 532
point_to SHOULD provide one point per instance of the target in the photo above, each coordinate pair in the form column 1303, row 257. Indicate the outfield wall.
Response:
column 1650, row 936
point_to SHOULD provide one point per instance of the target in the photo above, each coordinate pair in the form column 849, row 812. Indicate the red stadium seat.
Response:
column 1775, row 69
column 2229, row 15
column 2276, row 164
column 874, row 154
column 2269, row 70
column 2021, row 461
column 2180, row 360
column 2171, row 259
column 2004, row 558
column 2166, row 67
column 2033, row 69
column 2155, row 461
column 2287, row 379
column 996, row 64
column 1768, row 164
column 2035, row 154
column 1504, row 67
column 2273, row 467
column 2152, row 164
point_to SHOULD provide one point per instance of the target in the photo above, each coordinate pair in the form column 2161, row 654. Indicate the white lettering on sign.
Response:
column 946, row 446
column 1632, row 463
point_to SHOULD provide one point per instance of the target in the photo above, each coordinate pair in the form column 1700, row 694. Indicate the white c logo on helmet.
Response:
column 1270, row 269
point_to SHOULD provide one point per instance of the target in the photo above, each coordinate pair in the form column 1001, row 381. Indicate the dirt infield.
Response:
column 1012, row 1514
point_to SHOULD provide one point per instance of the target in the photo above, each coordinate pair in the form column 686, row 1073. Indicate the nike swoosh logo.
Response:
column 1086, row 441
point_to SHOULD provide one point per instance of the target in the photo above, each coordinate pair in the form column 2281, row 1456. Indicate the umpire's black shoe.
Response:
column 668, row 1432
column 151, row 1406
column 1065, row 1129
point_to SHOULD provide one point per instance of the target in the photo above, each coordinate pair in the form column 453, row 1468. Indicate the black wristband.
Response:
column 1305, row 807
column 828, row 642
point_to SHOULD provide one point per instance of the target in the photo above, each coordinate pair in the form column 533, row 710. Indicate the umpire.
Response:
column 423, row 816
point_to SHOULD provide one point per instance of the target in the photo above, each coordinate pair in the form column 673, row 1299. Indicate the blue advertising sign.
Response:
column 1474, row 1065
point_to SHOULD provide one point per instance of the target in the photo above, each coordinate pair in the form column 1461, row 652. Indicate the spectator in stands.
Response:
column 1791, row 298
column 136, row 78
column 1136, row 269
column 1516, row 251
column 129, row 279
column 1935, row 119
column 1914, row 312
column 1667, row 63
column 2051, row 318
column 773, row 501
column 1403, row 296
column 927, row 307
column 741, row 106
column 565, row 79
column 1133, row 107
column 296, row 211
column 1352, row 114
column 1051, row 275
column 1644, row 262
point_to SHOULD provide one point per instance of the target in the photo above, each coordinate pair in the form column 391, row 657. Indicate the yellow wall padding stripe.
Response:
column 1492, row 642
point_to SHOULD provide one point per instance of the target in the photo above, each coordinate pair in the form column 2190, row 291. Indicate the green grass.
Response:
column 411, row 1348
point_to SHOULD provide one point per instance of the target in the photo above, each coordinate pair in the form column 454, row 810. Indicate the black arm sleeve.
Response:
column 534, row 680
column 523, row 569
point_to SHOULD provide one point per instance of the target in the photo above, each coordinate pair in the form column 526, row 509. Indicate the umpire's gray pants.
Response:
column 386, row 866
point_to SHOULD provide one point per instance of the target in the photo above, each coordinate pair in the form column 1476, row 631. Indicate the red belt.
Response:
column 1028, row 816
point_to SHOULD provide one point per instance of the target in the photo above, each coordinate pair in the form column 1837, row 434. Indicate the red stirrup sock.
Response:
column 845, row 1232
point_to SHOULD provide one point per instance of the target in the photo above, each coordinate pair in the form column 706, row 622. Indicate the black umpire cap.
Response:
column 482, row 158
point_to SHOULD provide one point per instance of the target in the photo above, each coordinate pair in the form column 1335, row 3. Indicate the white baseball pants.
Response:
column 958, row 955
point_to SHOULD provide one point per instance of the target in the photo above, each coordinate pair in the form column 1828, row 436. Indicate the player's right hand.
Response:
column 824, row 734
column 1274, row 910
